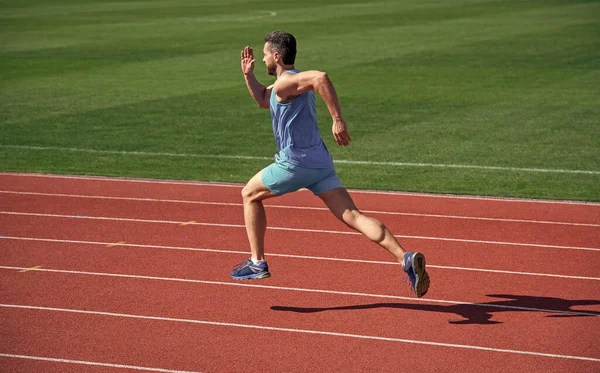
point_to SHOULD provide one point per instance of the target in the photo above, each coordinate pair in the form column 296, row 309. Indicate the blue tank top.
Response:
column 296, row 132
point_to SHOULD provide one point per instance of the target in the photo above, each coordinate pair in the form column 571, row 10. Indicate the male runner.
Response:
column 303, row 160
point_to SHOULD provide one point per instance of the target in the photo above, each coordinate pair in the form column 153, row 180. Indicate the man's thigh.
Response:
column 255, row 189
column 283, row 177
column 338, row 201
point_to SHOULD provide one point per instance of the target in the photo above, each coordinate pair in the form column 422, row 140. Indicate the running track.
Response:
column 113, row 275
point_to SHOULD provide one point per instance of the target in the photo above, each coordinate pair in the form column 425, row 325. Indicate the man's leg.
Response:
column 256, row 225
column 341, row 205
column 254, row 214
column 413, row 263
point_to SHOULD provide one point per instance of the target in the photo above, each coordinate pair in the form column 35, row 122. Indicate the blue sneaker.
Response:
column 249, row 271
column 414, row 266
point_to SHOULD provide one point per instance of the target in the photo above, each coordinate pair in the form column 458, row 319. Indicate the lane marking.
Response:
column 113, row 244
column 319, row 291
column 188, row 223
column 151, row 221
column 292, row 330
column 93, row 363
column 520, row 273
column 30, row 269
column 218, row 184
column 211, row 203
column 339, row 161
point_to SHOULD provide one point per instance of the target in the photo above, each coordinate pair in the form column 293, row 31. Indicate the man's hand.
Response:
column 340, row 133
column 247, row 61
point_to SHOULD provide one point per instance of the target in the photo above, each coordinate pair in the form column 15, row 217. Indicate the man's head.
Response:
column 279, row 49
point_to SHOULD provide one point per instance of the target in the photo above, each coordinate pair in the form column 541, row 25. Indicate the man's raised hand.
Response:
column 247, row 61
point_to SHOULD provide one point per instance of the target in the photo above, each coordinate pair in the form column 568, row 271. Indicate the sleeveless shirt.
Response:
column 296, row 131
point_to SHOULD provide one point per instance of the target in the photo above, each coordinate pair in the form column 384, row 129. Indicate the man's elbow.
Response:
column 321, row 79
column 263, row 104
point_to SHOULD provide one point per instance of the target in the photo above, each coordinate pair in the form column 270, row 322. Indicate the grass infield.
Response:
column 478, row 97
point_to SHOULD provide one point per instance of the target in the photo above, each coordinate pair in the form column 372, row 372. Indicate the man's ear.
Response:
column 277, row 57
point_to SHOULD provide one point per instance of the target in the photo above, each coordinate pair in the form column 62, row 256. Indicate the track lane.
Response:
column 17, row 363
column 271, row 204
column 528, row 292
column 447, row 253
column 561, row 235
column 415, row 203
column 219, row 349
column 275, row 309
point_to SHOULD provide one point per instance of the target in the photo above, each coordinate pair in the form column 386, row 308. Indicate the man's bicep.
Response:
column 297, row 84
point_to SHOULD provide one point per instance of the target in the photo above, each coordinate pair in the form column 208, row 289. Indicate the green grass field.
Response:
column 463, row 96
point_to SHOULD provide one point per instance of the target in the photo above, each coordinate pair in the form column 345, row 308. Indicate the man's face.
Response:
column 270, row 59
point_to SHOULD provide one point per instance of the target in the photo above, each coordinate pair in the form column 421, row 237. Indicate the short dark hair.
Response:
column 284, row 43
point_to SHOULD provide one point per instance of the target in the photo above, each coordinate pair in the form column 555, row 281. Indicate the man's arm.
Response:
column 259, row 92
column 288, row 86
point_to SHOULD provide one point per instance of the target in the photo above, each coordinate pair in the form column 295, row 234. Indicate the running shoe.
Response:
column 414, row 266
column 249, row 271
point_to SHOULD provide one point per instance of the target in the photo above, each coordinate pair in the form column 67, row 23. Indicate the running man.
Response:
column 303, row 160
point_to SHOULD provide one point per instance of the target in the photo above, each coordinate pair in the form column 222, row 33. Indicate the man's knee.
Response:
column 249, row 193
column 350, row 217
column 255, row 192
column 372, row 228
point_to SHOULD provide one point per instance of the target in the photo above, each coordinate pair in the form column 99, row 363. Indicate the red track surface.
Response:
column 134, row 275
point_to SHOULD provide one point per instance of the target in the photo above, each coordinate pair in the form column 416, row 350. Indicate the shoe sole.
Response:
column 422, row 276
column 254, row 276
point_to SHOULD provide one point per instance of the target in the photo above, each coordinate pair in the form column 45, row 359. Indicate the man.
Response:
column 303, row 160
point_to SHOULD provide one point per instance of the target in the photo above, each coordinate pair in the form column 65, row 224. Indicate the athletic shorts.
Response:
column 283, row 177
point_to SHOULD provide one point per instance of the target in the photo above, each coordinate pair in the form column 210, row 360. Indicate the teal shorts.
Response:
column 283, row 177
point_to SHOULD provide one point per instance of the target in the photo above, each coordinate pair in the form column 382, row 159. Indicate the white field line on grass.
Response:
column 291, row 330
column 217, row 184
column 152, row 221
column 303, row 290
column 262, row 14
column 210, row 203
column 309, row 257
column 339, row 161
column 92, row 363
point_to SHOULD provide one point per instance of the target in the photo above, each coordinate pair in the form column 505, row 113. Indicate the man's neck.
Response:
column 283, row 69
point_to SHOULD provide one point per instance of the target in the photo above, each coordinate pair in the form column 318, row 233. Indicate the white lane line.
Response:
column 294, row 230
column 303, row 331
column 128, row 180
column 104, row 244
column 500, row 305
column 354, row 191
column 339, row 161
column 93, row 363
column 211, row 203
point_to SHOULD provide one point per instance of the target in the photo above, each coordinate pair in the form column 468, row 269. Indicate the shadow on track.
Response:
column 476, row 313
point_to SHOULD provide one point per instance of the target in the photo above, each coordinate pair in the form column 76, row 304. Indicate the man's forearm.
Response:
column 327, row 92
column 257, row 90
